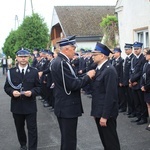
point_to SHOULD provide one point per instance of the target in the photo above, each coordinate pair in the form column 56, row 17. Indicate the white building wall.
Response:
column 132, row 15
column 55, row 18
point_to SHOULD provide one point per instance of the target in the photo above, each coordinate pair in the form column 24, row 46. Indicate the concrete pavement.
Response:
column 132, row 136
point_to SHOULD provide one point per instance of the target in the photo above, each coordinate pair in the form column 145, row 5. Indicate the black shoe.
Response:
column 142, row 121
column 127, row 113
column 43, row 100
column 131, row 116
column 40, row 98
column 52, row 110
column 89, row 96
column 136, row 120
column 148, row 128
column 23, row 147
column 46, row 105
column 122, row 110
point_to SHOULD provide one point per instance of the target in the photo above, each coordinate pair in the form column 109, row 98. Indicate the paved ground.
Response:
column 132, row 137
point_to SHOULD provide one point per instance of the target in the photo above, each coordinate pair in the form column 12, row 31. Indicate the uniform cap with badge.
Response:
column 36, row 49
column 102, row 49
column 116, row 50
column 137, row 45
column 50, row 53
column 128, row 46
column 70, row 40
column 23, row 52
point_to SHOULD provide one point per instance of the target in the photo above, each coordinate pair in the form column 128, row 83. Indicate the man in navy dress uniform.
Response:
column 137, row 64
column 118, row 64
column 68, row 105
column 23, row 85
column 126, row 76
column 105, row 98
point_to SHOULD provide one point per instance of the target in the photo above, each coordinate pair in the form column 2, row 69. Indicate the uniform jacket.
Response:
column 118, row 64
column 105, row 94
column 75, row 65
column 146, row 80
column 3, row 63
column 136, row 70
column 47, row 72
column 42, row 64
column 67, row 89
column 126, row 70
column 82, row 64
column 34, row 62
column 90, row 64
column 23, row 104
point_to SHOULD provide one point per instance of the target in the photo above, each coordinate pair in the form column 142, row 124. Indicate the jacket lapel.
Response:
column 99, row 71
column 27, row 72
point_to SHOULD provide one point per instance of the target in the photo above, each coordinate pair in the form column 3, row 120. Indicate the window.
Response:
column 142, row 36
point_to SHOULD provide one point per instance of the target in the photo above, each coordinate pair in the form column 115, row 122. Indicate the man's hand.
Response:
column 28, row 93
column 134, row 83
column 103, row 122
column 91, row 73
column 143, row 89
column 80, row 71
column 40, row 74
column 16, row 93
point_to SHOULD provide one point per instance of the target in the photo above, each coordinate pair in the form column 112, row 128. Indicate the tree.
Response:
column 109, row 26
column 9, row 45
column 32, row 33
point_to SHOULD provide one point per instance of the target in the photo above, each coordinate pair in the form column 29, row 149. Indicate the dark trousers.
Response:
column 68, row 129
column 140, row 105
column 48, row 95
column 31, row 122
column 52, row 98
column 108, row 135
column 129, row 99
column 4, row 69
column 122, row 99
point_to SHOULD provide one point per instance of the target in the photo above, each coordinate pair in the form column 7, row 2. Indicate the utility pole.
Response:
column 32, row 6
column 25, row 8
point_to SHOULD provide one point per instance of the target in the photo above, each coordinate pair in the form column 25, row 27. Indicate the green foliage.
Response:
column 9, row 45
column 109, row 25
column 32, row 33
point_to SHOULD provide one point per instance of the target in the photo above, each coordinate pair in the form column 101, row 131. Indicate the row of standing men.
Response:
column 130, row 77
column 138, row 85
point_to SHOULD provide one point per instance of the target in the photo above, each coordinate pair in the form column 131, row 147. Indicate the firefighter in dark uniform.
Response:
column 41, row 66
column 118, row 64
column 137, row 64
column 82, row 63
column 49, row 82
column 35, row 54
column 105, row 98
column 23, row 85
column 68, row 105
column 145, row 85
column 126, row 77
column 75, row 63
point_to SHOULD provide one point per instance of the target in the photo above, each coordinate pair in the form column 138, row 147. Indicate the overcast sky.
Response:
column 11, row 8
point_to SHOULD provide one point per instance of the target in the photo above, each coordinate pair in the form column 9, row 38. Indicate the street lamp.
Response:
column 16, row 22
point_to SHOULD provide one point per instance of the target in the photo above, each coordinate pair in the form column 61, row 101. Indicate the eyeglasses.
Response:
column 95, row 54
